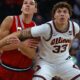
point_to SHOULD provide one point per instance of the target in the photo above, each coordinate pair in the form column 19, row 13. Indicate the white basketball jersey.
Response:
column 56, row 48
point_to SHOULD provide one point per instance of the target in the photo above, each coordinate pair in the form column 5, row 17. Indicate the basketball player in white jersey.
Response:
column 56, row 37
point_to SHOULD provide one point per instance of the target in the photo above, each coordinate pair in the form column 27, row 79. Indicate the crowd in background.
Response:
column 12, row 7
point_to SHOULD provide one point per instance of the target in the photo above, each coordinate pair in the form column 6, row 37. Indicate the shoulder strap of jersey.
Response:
column 16, row 21
column 73, row 28
column 18, row 26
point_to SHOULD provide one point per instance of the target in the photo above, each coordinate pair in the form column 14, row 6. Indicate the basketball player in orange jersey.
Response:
column 56, row 37
column 16, row 60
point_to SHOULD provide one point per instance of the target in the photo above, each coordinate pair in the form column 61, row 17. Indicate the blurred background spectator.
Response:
column 76, row 11
column 12, row 7
column 75, row 52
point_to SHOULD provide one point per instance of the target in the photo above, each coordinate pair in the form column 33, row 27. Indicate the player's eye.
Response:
column 65, row 11
column 25, row 3
column 59, row 11
column 32, row 3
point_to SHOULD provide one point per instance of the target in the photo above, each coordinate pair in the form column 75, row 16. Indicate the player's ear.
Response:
column 21, row 9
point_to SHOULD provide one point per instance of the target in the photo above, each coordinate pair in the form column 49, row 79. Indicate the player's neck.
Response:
column 26, row 18
column 61, row 27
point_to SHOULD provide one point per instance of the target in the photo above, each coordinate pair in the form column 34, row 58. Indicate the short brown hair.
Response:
column 62, row 5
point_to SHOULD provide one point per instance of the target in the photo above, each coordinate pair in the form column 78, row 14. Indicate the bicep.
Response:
column 39, row 31
column 5, row 27
column 3, row 33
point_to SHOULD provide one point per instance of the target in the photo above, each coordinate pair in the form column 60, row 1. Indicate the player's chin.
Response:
column 26, row 12
column 62, row 22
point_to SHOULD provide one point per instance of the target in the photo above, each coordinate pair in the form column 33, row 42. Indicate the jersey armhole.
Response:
column 73, row 29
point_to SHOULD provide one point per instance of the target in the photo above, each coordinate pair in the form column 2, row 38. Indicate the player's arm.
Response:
column 38, row 31
column 5, row 26
column 5, row 31
column 2, row 43
column 26, row 33
column 29, row 46
column 22, row 35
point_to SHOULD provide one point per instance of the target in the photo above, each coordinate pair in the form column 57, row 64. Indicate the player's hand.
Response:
column 13, row 40
column 32, row 43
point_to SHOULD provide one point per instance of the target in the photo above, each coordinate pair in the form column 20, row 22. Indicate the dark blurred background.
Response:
column 12, row 7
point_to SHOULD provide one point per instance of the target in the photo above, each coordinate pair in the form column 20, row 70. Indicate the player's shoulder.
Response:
column 45, row 24
column 7, row 22
column 74, row 23
column 9, row 18
column 49, row 23
column 75, row 26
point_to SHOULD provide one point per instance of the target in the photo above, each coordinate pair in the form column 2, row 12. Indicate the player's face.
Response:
column 29, row 7
column 62, row 15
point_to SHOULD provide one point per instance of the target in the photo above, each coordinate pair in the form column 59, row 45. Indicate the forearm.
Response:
column 2, row 44
column 9, row 47
column 24, row 34
column 4, row 41
column 37, row 31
